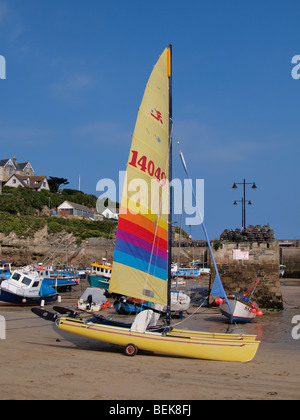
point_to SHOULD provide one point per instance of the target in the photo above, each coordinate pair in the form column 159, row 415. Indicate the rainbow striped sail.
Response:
column 140, row 265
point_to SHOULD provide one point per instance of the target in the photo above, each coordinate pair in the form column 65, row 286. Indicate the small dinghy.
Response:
column 92, row 300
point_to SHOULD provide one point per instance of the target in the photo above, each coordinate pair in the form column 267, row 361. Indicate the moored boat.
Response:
column 190, row 272
column 241, row 307
column 5, row 270
column 26, row 287
column 99, row 274
column 62, row 278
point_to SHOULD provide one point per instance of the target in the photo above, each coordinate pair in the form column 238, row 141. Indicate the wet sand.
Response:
column 38, row 363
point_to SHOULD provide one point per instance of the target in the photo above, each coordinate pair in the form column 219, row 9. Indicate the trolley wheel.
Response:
column 131, row 350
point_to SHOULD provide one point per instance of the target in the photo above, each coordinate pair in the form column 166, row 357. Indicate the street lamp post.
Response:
column 243, row 200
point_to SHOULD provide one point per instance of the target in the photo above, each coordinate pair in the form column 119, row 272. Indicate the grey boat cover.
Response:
column 97, row 295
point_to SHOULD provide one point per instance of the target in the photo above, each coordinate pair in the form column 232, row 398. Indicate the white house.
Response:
column 36, row 183
column 111, row 213
column 67, row 208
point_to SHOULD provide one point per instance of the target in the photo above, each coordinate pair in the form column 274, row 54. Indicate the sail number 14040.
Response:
column 147, row 166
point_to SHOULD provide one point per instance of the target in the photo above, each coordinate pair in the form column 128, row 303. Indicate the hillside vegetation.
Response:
column 24, row 212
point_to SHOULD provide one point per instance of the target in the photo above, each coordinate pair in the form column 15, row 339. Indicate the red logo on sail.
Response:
column 157, row 115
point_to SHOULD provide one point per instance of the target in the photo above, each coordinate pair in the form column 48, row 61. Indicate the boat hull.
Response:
column 8, row 298
column 187, row 273
column 188, row 344
column 129, row 309
column 60, row 282
column 240, row 311
column 97, row 281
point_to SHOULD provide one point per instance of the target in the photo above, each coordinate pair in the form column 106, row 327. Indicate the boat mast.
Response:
column 168, row 314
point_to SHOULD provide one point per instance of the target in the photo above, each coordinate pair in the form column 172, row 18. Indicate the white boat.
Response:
column 92, row 300
column 238, row 308
column 239, row 311
column 282, row 268
column 26, row 287
column 180, row 301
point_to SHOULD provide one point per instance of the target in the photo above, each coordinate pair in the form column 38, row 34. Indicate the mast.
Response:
column 168, row 315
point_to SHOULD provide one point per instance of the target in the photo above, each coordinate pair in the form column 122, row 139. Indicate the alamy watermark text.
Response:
column 296, row 68
column 2, row 67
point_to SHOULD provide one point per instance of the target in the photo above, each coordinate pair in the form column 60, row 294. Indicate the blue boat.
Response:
column 131, row 306
column 26, row 287
column 191, row 272
column 5, row 270
column 99, row 275
column 59, row 278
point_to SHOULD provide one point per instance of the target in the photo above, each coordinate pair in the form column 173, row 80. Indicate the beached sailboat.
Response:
column 142, row 257
column 241, row 307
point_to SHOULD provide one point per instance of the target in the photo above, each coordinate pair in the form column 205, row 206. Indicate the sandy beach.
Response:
column 38, row 363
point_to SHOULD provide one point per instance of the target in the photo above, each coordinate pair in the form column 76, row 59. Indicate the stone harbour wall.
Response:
column 239, row 274
column 290, row 258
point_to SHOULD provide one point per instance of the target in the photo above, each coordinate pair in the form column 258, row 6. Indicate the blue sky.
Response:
column 76, row 72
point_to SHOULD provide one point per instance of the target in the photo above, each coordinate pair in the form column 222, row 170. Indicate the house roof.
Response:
column 34, row 181
column 3, row 162
column 21, row 166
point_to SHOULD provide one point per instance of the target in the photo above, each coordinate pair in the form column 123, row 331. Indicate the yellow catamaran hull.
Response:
column 184, row 343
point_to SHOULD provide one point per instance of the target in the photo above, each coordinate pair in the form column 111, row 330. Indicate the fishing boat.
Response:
column 190, row 272
column 99, row 274
column 61, row 278
column 26, row 287
column 142, row 256
column 5, row 270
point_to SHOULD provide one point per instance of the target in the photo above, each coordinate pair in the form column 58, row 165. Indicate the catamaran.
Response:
column 142, row 256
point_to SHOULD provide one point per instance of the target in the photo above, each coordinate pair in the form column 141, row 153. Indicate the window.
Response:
column 36, row 284
column 26, row 281
column 16, row 276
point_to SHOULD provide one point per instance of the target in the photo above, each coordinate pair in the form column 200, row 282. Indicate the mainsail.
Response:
column 140, row 265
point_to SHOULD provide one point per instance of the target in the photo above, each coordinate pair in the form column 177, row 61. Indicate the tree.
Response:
column 55, row 183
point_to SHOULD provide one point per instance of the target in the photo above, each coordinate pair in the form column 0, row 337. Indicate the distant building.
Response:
column 67, row 208
column 9, row 167
column 111, row 213
column 36, row 183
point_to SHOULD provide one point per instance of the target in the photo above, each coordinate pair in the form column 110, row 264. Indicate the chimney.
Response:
column 15, row 160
